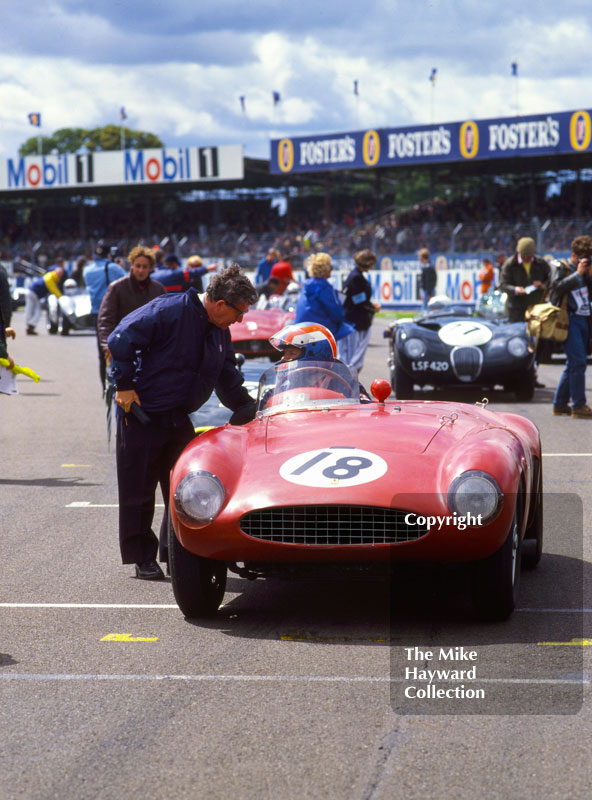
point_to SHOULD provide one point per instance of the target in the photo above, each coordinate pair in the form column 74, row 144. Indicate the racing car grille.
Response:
column 466, row 363
column 331, row 525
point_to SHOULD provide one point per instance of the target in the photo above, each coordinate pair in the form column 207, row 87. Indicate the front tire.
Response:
column 496, row 579
column 532, row 546
column 198, row 583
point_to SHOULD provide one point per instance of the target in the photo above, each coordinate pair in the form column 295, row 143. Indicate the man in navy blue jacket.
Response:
column 179, row 280
column 168, row 357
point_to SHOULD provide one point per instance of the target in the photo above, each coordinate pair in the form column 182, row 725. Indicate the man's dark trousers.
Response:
column 145, row 457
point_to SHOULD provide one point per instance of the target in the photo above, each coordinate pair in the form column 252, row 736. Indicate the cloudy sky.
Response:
column 179, row 67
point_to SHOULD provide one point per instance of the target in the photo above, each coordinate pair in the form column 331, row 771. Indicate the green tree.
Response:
column 69, row 140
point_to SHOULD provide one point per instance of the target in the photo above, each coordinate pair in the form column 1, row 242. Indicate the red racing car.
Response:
column 251, row 336
column 324, row 479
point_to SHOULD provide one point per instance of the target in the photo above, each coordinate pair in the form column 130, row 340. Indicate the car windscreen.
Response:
column 306, row 384
column 284, row 302
column 492, row 305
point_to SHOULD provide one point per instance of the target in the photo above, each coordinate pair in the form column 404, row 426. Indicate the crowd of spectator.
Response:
column 243, row 229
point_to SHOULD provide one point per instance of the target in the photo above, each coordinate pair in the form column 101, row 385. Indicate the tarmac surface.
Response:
column 293, row 690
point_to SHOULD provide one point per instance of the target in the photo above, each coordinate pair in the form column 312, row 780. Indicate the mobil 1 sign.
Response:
column 123, row 168
column 402, row 287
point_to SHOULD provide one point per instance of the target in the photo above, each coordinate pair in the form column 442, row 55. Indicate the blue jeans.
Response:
column 572, row 383
column 426, row 296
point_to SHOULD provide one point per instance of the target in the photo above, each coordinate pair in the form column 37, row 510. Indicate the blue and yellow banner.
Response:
column 567, row 132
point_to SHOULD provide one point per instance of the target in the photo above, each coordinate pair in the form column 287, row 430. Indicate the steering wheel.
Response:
column 330, row 374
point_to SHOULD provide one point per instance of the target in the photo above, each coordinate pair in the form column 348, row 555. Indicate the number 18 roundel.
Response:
column 333, row 466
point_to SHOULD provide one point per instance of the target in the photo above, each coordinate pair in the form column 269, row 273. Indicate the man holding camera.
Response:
column 574, row 279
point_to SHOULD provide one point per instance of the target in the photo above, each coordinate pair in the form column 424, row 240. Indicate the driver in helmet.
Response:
column 309, row 341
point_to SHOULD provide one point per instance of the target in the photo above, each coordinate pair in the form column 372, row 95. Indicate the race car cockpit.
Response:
column 297, row 384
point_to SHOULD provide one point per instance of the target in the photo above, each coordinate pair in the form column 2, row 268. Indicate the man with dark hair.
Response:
column 573, row 280
column 179, row 280
column 279, row 279
column 428, row 277
column 359, row 311
column 168, row 357
column 263, row 270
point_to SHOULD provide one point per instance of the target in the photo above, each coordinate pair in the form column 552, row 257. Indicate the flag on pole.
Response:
column 276, row 98
column 35, row 119
column 242, row 102
column 122, row 113
column 356, row 88
column 433, row 74
column 515, row 68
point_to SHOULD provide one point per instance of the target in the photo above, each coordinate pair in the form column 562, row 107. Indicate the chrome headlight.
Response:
column 199, row 496
column 517, row 347
column 475, row 493
column 414, row 347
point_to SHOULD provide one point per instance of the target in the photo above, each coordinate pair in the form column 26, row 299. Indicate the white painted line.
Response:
column 567, row 455
column 88, row 504
column 15, row 676
column 555, row 610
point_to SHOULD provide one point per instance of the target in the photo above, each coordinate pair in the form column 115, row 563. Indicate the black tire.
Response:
column 402, row 384
column 496, row 580
column 524, row 386
column 198, row 583
column 532, row 546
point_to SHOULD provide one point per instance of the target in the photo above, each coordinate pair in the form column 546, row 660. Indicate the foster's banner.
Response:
column 566, row 132
column 122, row 168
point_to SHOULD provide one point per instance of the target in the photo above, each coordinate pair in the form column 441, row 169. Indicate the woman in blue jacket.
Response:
column 319, row 301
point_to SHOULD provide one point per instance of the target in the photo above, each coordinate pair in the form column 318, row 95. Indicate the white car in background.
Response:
column 71, row 311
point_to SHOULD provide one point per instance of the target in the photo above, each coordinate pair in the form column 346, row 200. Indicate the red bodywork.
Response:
column 425, row 445
column 251, row 336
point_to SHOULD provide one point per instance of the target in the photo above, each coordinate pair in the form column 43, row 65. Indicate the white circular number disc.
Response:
column 333, row 467
column 465, row 332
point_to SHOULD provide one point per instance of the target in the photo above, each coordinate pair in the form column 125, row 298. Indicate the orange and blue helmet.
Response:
column 316, row 342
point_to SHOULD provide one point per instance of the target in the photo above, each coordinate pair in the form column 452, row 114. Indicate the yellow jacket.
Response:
column 50, row 279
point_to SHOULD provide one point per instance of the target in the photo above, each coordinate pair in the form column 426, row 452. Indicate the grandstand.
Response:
column 475, row 206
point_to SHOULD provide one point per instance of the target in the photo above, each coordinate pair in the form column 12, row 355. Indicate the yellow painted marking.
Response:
column 308, row 637
column 573, row 643
column 76, row 465
column 127, row 637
